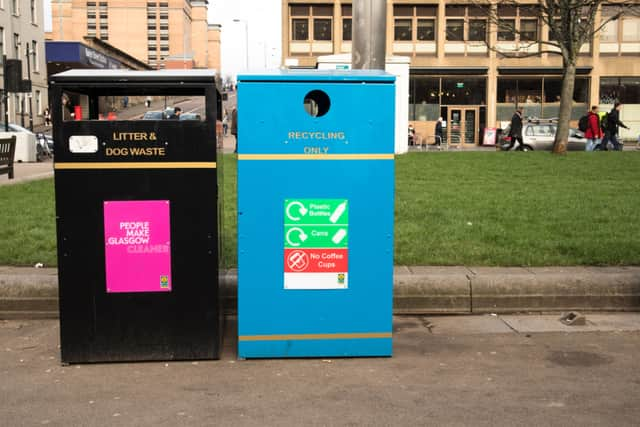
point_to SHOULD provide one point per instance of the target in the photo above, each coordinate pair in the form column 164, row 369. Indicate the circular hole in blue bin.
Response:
column 317, row 103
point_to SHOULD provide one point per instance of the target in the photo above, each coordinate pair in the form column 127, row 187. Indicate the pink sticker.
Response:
column 137, row 243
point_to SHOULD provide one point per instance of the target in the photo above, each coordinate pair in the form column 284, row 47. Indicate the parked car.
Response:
column 153, row 115
column 190, row 116
column 539, row 135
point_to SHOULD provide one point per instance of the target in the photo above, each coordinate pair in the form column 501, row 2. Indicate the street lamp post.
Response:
column 29, row 53
column 246, row 40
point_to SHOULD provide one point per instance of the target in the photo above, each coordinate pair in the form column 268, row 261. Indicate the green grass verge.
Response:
column 478, row 208
column 27, row 224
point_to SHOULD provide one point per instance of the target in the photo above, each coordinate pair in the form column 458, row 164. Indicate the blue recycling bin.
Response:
column 315, row 214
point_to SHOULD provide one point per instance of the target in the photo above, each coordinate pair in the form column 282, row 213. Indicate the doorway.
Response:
column 462, row 126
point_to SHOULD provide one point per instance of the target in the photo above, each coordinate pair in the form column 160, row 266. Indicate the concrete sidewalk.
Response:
column 445, row 371
column 33, row 293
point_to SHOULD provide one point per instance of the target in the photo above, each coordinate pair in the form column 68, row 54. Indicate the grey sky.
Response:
column 264, row 24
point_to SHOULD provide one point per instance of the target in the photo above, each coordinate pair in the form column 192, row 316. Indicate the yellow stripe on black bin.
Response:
column 135, row 165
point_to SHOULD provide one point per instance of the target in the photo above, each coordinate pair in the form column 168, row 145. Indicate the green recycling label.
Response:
column 316, row 223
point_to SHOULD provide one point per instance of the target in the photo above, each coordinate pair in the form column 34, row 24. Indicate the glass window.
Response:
column 402, row 10
column 620, row 89
column 299, row 10
column 455, row 10
column 631, row 30
column 464, row 91
column 609, row 33
column 300, row 30
column 455, row 29
column 477, row 30
column 424, row 98
column 322, row 29
column 426, row 30
column 478, row 10
column 506, row 30
column 346, row 10
column 402, row 30
column 34, row 52
column 346, row 29
column 529, row 30
column 427, row 10
column 506, row 10
column 323, row 10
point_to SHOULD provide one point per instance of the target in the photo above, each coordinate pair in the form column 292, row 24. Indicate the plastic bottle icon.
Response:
column 338, row 212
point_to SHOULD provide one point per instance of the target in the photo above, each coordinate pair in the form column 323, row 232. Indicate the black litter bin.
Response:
column 137, row 215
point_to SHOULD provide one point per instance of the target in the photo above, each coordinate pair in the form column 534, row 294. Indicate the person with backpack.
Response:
column 590, row 125
column 612, row 125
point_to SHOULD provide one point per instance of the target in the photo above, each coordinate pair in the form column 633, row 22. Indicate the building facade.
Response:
column 457, row 71
column 21, row 31
column 148, row 30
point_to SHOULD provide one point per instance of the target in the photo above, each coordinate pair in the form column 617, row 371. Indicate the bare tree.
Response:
column 571, row 24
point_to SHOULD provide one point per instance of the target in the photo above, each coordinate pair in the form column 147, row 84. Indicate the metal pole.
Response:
column 369, row 34
column 246, row 42
column 30, row 94
column 5, row 94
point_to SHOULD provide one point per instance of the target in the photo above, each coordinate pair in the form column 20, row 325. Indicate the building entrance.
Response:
column 462, row 125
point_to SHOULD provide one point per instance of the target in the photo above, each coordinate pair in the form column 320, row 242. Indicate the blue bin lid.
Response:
column 361, row 76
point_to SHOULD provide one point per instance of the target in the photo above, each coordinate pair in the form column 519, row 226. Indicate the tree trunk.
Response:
column 566, row 105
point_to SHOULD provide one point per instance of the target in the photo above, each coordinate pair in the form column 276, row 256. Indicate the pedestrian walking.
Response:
column 593, row 134
column 125, row 101
column 147, row 102
column 225, row 123
column 438, row 132
column 515, row 131
column 234, row 127
column 612, row 126
column 47, row 116
column 411, row 134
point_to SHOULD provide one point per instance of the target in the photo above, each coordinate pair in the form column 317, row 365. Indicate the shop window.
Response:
column 424, row 98
column 464, row 91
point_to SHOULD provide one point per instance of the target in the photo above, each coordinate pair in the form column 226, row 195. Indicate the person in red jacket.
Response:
column 593, row 133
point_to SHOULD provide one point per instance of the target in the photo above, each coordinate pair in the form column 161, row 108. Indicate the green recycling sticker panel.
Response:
column 316, row 238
